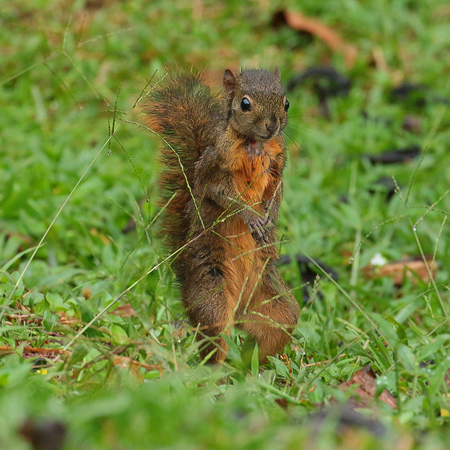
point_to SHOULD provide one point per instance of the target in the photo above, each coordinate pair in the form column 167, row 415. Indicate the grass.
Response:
column 71, row 73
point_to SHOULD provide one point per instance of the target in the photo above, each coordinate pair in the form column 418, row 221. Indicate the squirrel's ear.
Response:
column 229, row 83
column 277, row 74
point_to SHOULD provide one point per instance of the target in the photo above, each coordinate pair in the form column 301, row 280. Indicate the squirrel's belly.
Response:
column 243, row 262
column 237, row 235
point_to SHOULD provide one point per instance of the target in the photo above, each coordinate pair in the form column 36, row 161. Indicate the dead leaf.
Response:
column 64, row 320
column 282, row 403
column 31, row 318
column 365, row 381
column 318, row 363
column 124, row 311
column 6, row 349
column 23, row 318
column 124, row 361
column 299, row 22
column 399, row 270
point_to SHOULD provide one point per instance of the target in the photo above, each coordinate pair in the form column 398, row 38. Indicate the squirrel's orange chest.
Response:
column 252, row 170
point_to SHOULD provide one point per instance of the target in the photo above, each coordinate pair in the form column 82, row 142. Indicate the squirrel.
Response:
column 223, row 157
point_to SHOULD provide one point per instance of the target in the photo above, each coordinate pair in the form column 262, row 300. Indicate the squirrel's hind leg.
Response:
column 209, row 305
column 271, row 316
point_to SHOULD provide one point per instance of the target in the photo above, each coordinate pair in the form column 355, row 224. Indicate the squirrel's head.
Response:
column 257, row 103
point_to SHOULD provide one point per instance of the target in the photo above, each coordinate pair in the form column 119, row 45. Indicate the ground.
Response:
column 79, row 215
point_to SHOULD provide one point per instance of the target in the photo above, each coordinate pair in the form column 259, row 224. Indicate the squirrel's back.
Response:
column 181, row 110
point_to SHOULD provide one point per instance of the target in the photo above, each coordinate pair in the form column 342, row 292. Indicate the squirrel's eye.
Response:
column 286, row 105
column 245, row 104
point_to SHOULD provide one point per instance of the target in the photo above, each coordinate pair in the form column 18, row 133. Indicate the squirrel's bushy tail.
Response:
column 180, row 110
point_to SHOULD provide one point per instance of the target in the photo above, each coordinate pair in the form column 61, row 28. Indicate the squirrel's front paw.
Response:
column 259, row 228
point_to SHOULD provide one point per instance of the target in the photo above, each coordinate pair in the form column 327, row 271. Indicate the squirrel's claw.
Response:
column 259, row 230
column 268, row 222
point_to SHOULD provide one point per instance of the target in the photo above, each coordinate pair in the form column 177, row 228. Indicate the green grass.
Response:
column 72, row 72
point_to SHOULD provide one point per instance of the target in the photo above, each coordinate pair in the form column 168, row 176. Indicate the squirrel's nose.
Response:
column 271, row 127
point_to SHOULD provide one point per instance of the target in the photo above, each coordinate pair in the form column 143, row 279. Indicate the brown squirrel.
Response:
column 224, row 157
